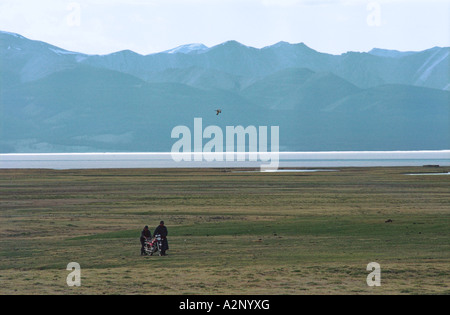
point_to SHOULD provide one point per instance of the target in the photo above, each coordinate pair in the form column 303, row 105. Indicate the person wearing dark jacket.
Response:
column 161, row 229
column 145, row 234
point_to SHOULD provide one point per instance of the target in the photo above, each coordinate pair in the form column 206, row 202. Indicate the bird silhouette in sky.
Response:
column 218, row 111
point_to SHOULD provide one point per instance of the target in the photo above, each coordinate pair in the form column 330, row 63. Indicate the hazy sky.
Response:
column 148, row 26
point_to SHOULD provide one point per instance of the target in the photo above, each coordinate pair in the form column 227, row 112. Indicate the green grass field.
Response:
column 229, row 232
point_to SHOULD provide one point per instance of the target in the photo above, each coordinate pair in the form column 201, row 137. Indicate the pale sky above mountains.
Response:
column 149, row 26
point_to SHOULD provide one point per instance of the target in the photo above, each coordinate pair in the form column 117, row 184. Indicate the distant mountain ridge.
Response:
column 427, row 68
column 54, row 100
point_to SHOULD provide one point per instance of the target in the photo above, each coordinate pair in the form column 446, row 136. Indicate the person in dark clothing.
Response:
column 145, row 234
column 161, row 229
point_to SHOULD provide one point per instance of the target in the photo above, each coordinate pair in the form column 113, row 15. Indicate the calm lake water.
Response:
column 165, row 160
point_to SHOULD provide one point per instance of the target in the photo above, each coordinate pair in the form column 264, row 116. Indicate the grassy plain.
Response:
column 229, row 232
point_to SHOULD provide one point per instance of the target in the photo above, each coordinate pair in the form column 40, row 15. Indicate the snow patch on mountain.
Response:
column 429, row 65
column 187, row 49
column 12, row 34
column 63, row 52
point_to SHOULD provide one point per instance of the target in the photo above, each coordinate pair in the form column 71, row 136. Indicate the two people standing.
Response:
column 161, row 229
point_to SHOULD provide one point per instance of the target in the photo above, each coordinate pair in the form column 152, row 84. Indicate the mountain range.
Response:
column 54, row 100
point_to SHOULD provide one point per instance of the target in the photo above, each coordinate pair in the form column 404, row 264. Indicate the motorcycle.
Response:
column 153, row 246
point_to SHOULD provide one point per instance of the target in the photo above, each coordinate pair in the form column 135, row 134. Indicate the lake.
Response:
column 164, row 160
